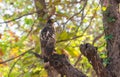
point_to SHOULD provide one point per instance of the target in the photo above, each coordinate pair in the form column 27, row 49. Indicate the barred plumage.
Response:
column 47, row 39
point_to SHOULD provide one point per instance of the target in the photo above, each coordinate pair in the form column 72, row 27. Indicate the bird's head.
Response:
column 50, row 21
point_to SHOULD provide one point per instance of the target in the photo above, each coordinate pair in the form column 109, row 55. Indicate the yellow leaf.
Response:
column 104, row 8
column 98, row 8
column 14, row 51
column 85, row 20
column 76, row 53
column 89, row 13
column 22, row 50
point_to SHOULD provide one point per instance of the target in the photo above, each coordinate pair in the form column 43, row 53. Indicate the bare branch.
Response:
column 18, row 17
column 79, row 58
column 13, row 66
column 76, row 13
column 36, row 54
column 16, row 56
column 31, row 29
column 97, row 38
column 75, row 37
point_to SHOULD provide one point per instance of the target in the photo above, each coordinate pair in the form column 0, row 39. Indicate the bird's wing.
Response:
column 47, row 34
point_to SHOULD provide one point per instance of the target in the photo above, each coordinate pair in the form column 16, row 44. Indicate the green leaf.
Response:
column 27, row 74
column 106, row 61
column 111, row 19
column 85, row 20
column 107, row 37
column 63, row 35
column 28, row 21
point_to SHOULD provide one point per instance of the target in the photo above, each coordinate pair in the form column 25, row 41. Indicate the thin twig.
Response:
column 18, row 17
column 76, row 13
column 36, row 54
column 75, row 37
column 16, row 56
column 13, row 66
column 90, row 21
column 79, row 58
column 97, row 38
column 31, row 29
column 82, row 18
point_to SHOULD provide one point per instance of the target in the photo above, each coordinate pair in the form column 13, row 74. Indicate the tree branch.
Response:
column 13, row 66
column 79, row 58
column 16, row 56
column 18, row 17
column 40, row 7
column 76, row 13
column 91, row 53
column 62, row 66
column 75, row 37
column 97, row 38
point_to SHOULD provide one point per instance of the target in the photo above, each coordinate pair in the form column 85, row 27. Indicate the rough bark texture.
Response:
column 40, row 7
column 91, row 53
column 63, row 66
column 111, row 20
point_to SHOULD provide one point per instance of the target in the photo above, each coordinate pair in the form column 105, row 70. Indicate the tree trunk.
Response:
column 111, row 20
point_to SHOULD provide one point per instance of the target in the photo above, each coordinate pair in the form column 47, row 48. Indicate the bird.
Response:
column 47, row 39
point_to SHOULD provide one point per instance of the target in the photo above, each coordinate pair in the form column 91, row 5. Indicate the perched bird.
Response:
column 47, row 39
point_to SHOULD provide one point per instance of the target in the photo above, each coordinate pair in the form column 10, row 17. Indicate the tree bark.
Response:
column 40, row 7
column 91, row 53
column 63, row 66
column 111, row 20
